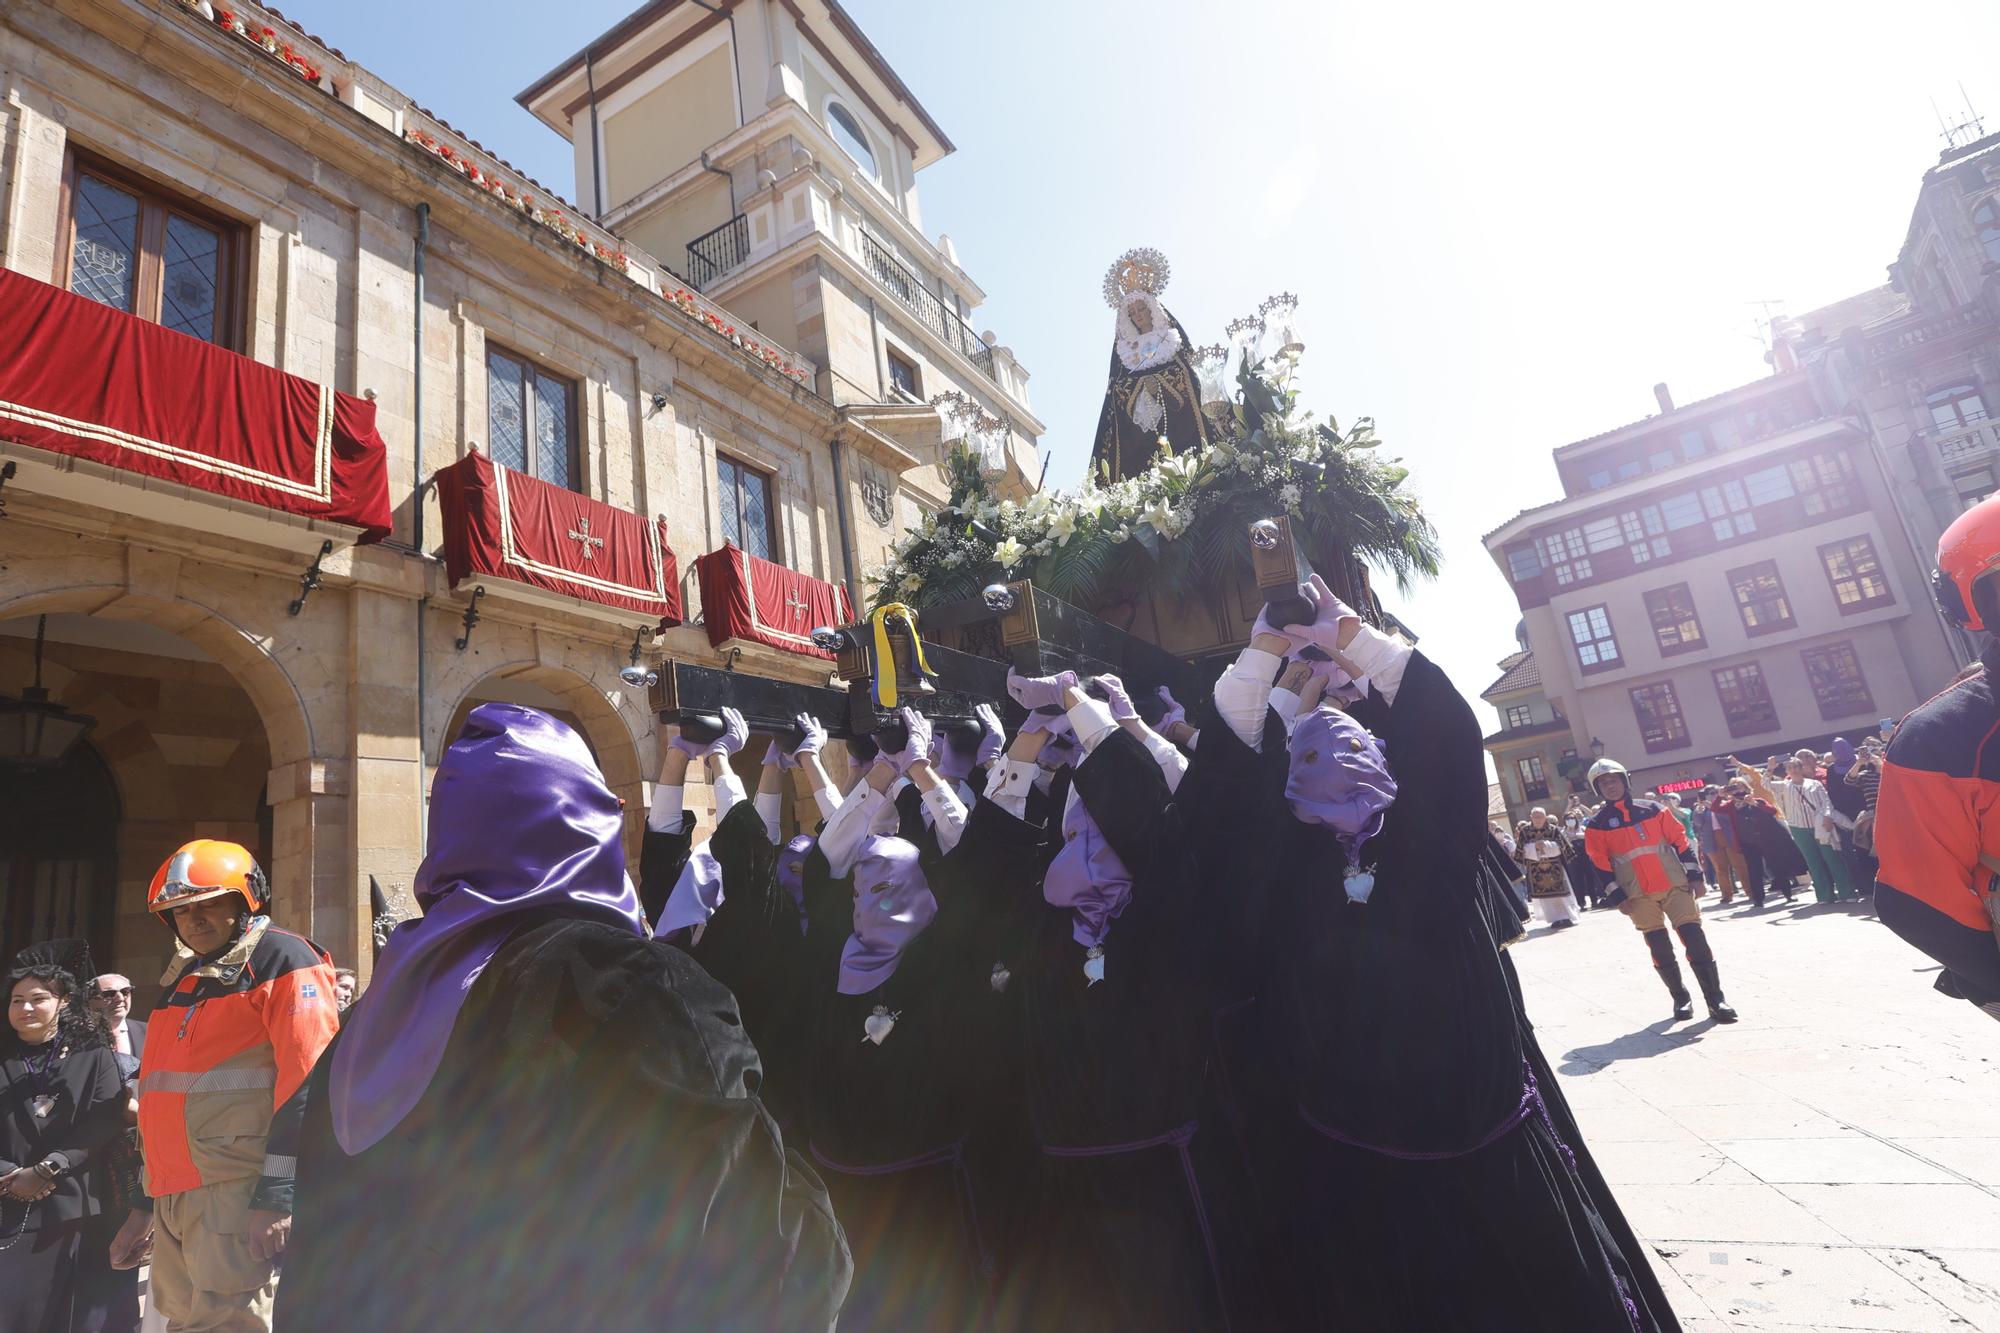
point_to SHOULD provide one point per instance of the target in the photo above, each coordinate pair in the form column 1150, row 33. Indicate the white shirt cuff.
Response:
column 668, row 805
column 947, row 815
column 1378, row 658
column 728, row 791
column 827, row 802
column 769, row 806
column 1010, row 785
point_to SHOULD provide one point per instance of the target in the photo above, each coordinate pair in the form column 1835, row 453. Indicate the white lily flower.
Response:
column 1008, row 553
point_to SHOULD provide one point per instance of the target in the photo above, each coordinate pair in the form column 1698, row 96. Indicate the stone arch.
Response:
column 197, row 741
column 280, row 704
column 612, row 718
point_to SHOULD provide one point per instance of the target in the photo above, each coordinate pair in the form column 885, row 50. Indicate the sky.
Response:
column 1505, row 223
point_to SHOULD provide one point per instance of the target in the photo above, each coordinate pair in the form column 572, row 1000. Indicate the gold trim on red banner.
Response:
column 510, row 555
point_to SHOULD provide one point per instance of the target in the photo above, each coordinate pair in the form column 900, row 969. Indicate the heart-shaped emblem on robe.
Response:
column 1360, row 883
column 1093, row 966
column 878, row 1025
column 1001, row 976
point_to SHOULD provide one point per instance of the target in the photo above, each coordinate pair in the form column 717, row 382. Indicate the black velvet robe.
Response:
column 591, row 1154
column 894, row 1127
column 1142, row 1232
column 1398, row 1025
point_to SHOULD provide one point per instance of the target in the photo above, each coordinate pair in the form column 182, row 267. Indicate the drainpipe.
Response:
column 417, row 524
column 706, row 165
column 840, row 517
column 596, row 145
column 735, row 67
column 875, row 340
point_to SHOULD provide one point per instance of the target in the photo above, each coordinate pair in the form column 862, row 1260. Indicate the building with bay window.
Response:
column 1750, row 573
column 321, row 424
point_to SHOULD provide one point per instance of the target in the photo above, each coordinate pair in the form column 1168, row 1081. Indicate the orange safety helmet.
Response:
column 1967, row 553
column 204, row 869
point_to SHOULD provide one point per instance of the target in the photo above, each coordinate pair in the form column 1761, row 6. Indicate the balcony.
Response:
column 716, row 254
column 1915, row 334
column 1966, row 446
column 926, row 305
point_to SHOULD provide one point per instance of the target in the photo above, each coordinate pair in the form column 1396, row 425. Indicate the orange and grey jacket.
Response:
column 1937, row 835
column 1638, row 842
column 222, row 1081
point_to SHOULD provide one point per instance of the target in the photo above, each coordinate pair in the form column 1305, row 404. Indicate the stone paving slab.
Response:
column 1831, row 1162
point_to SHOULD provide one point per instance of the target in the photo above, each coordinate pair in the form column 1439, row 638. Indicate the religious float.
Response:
column 1211, row 493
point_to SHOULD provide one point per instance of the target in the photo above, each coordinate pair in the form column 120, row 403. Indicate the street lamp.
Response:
column 36, row 732
column 1596, row 748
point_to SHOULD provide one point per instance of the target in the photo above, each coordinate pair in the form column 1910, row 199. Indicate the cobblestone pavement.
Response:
column 1830, row 1162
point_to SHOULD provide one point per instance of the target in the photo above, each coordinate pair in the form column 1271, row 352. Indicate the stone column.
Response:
column 386, row 805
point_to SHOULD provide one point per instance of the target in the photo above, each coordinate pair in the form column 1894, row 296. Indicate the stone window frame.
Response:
column 532, row 372
column 1519, row 715
column 773, row 529
column 1682, row 613
column 1656, row 707
column 1826, row 672
column 483, row 324
column 1750, row 577
column 1852, row 562
column 159, row 202
column 1598, row 659
column 1745, row 696
column 1533, row 777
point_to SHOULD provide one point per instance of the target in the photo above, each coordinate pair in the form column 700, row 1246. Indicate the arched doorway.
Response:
column 58, row 854
column 179, row 751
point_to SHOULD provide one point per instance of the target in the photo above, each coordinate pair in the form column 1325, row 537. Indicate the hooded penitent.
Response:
column 1339, row 777
column 522, row 828
column 892, row 905
column 1087, row 877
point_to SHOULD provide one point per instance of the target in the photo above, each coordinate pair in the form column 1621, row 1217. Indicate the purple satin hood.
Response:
column 892, row 906
column 1339, row 776
column 1087, row 877
column 521, row 827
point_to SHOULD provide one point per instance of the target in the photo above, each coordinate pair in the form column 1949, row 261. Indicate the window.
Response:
column 1519, row 715
column 1746, row 703
column 1599, row 480
column 1729, row 510
column 531, row 418
column 1760, row 597
column 1693, row 444
column 745, row 498
column 1974, row 486
column 903, row 375
column 1658, row 711
column 1602, row 535
column 1682, row 511
column 1522, row 563
column 1676, row 628
column 1837, row 683
column 1986, row 218
column 1856, row 575
column 1645, row 531
column 1627, row 471
column 136, row 248
column 1955, row 405
column 1824, row 482
column 853, row 140
column 1664, row 459
column 1563, row 555
column 1723, row 432
column 1534, row 782
column 1769, row 485
column 1590, row 631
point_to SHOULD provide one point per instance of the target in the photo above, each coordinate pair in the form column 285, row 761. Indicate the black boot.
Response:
column 1662, row 946
column 1711, row 991
column 1702, row 961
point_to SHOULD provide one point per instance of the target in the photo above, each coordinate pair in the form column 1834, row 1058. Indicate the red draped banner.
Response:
column 744, row 597
column 510, row 525
column 80, row 378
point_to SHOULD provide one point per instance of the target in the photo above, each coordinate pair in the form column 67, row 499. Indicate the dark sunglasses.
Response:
column 108, row 994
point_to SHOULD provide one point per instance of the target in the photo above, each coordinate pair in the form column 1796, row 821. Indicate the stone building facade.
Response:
column 224, row 173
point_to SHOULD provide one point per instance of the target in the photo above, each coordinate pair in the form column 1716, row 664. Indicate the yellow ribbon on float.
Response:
column 885, row 658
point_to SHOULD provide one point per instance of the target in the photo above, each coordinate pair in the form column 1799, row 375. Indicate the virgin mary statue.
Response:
column 1153, row 394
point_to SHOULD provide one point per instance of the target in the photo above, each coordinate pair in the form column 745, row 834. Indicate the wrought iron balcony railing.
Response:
column 715, row 253
column 925, row 304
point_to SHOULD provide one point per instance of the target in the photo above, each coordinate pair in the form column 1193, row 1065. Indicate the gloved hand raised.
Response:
column 1115, row 695
column 1332, row 619
column 1175, row 713
column 735, row 731
column 1032, row 692
column 815, row 736
column 916, row 746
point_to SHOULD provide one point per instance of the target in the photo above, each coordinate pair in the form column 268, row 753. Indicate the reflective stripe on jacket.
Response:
column 1639, row 842
column 228, row 1049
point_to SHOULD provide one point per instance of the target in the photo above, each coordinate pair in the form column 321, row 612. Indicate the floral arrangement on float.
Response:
column 1179, row 524
column 264, row 38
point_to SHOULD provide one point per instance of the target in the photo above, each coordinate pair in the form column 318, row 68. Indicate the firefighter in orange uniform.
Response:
column 1639, row 843
column 247, row 1010
column 1937, row 816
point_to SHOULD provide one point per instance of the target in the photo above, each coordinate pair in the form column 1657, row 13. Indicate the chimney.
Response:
column 1666, row 399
